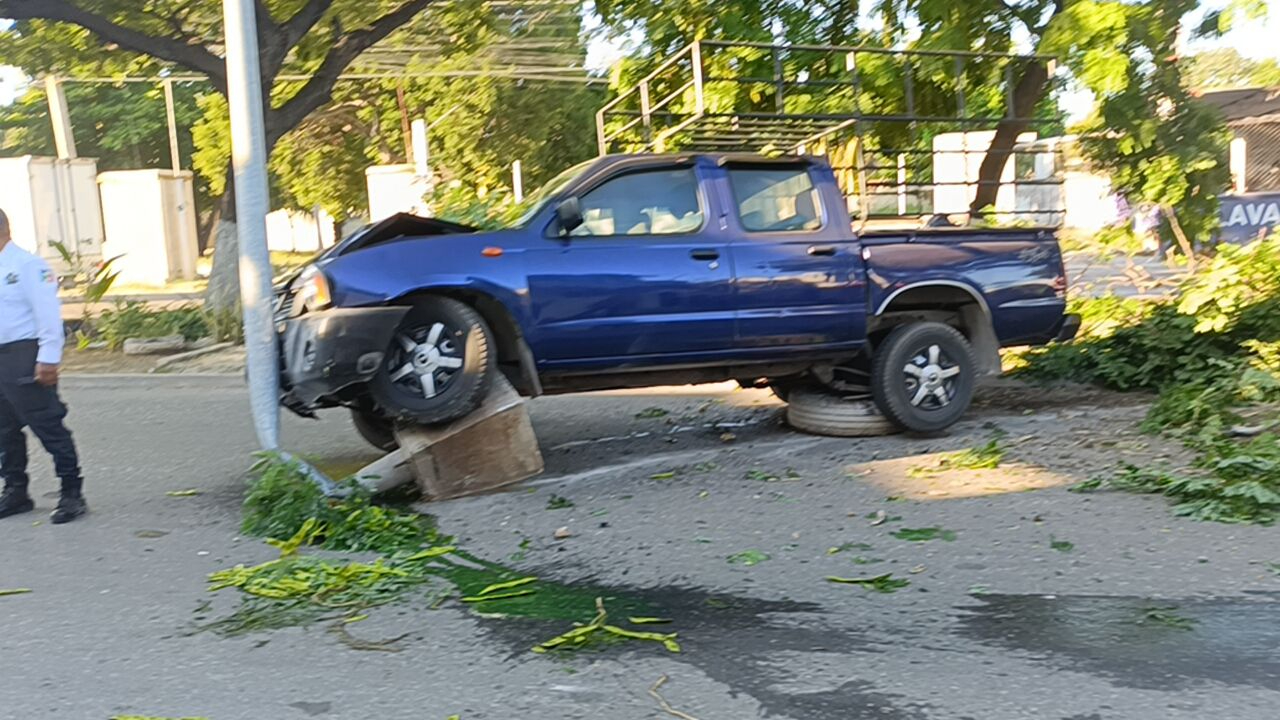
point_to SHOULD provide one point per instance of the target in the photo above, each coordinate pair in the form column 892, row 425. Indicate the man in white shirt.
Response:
column 31, row 340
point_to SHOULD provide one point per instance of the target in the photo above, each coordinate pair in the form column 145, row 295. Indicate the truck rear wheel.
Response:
column 439, row 366
column 924, row 376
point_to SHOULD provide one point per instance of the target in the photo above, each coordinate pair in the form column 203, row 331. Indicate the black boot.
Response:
column 15, row 501
column 69, row 508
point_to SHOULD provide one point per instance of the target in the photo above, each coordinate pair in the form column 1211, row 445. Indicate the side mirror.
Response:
column 569, row 215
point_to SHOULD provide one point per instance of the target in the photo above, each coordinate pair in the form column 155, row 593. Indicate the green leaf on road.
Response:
column 886, row 583
column 647, row 621
column 651, row 413
column 184, row 493
column 508, row 585
column 1168, row 617
column 15, row 591
column 497, row 596
column 925, row 534
column 669, row 475
column 1061, row 545
column 748, row 557
column 843, row 547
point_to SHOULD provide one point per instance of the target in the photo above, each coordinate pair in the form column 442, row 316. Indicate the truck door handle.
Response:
column 823, row 250
column 704, row 254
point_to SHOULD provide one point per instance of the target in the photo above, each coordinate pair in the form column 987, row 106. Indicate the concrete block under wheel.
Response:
column 491, row 448
column 821, row 413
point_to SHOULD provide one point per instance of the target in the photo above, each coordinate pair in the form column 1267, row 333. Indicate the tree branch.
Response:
column 319, row 89
column 186, row 53
column 1026, row 15
column 297, row 27
column 287, row 34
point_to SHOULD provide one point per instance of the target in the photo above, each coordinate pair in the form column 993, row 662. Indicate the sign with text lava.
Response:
column 1245, row 217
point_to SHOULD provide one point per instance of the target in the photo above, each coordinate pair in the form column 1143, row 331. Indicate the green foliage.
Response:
column 984, row 457
column 1240, row 488
column 599, row 630
column 282, row 500
column 1225, row 68
column 1161, row 147
column 133, row 319
column 1213, row 353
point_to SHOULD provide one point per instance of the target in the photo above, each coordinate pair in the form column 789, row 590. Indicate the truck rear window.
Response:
column 776, row 199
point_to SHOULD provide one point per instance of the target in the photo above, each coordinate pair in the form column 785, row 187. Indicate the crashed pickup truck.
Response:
column 641, row 270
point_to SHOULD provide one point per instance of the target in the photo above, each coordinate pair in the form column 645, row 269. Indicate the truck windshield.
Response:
column 534, row 203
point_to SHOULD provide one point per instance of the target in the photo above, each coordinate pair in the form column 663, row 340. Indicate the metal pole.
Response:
column 64, row 137
column 175, row 154
column 249, row 160
column 421, row 151
column 517, row 181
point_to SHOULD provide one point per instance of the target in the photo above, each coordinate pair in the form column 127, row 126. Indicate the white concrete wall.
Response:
column 50, row 200
column 299, row 232
column 150, row 223
column 396, row 189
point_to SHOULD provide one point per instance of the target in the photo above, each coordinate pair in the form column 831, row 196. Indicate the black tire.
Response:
column 935, row 400
column 824, row 413
column 375, row 429
column 445, row 331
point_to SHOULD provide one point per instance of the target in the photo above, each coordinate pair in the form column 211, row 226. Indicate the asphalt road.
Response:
column 996, row 625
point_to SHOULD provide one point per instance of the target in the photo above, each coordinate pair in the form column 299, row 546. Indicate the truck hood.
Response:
column 396, row 227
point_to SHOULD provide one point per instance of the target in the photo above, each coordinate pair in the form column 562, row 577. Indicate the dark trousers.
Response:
column 26, row 403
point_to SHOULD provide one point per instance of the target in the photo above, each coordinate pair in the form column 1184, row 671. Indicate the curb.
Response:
column 109, row 380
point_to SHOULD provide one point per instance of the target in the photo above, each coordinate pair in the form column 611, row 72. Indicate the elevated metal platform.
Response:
column 906, row 130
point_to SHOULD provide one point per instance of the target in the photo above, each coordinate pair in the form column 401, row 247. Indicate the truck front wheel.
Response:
column 439, row 366
column 924, row 375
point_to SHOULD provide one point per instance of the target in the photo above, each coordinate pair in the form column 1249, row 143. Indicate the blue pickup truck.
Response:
column 641, row 270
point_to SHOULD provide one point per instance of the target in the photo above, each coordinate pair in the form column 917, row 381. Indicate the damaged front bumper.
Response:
column 327, row 351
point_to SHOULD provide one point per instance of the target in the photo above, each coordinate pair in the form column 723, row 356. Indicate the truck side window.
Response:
column 653, row 202
column 776, row 199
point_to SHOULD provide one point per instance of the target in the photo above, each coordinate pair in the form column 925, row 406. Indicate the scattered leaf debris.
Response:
column 1061, row 545
column 886, row 583
column 748, row 557
column 925, row 534
column 558, row 502
column 583, row 634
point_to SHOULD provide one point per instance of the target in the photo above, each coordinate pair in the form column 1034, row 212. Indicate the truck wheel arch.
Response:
column 948, row 301
column 515, row 359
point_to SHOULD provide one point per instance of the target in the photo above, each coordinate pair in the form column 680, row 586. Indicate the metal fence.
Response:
column 885, row 118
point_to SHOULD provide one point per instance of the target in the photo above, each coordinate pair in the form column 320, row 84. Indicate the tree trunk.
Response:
column 1030, row 89
column 223, row 292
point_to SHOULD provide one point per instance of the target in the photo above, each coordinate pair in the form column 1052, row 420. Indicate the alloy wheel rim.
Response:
column 425, row 360
column 929, row 378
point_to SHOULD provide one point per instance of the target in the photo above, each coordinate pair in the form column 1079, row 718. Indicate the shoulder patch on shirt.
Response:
column 46, row 276
column 11, row 279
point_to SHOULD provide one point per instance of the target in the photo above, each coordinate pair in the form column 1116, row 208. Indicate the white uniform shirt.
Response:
column 29, row 304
